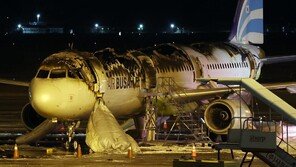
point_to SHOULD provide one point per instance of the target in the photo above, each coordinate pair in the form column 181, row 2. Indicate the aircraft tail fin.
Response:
column 248, row 22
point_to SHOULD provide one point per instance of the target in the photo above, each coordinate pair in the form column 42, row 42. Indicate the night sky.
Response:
column 153, row 14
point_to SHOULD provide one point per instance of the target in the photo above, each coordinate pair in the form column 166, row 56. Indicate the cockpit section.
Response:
column 70, row 64
column 65, row 86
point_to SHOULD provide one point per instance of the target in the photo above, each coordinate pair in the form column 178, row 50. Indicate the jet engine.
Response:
column 224, row 114
column 30, row 117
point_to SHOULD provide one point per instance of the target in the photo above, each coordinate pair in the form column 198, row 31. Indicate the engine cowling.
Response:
column 30, row 117
column 225, row 114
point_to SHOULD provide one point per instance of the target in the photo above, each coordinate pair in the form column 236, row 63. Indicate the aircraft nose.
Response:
column 44, row 97
column 62, row 98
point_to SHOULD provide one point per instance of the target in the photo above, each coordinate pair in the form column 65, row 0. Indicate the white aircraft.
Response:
column 70, row 85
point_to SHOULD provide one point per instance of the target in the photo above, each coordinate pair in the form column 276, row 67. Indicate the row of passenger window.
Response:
column 59, row 73
column 173, row 69
column 228, row 65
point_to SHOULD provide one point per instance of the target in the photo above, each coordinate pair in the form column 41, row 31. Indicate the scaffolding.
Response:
column 262, row 141
column 186, row 124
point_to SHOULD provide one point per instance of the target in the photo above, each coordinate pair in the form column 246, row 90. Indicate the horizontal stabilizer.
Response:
column 292, row 89
column 278, row 59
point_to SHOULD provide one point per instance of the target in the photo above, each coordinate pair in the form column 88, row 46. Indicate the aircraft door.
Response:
column 100, row 84
column 149, row 70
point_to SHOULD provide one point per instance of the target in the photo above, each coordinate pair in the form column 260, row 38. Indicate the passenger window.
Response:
column 42, row 74
column 57, row 74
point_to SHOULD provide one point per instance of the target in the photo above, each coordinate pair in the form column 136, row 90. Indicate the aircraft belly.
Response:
column 123, row 102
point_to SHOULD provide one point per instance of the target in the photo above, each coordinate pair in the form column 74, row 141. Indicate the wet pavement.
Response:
column 154, row 154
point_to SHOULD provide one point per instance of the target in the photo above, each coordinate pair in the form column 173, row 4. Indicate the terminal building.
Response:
column 40, row 28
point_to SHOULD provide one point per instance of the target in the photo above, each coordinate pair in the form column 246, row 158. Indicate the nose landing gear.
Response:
column 71, row 127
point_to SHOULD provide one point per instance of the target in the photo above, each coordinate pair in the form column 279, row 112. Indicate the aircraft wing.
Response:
column 290, row 86
column 14, row 82
column 278, row 59
column 200, row 94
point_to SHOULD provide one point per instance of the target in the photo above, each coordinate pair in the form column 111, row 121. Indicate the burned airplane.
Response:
column 71, row 86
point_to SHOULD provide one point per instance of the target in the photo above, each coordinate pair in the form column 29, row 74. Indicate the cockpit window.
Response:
column 71, row 74
column 58, row 74
column 42, row 74
column 75, row 74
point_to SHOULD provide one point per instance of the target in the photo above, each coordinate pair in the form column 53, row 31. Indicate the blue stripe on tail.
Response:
column 248, row 21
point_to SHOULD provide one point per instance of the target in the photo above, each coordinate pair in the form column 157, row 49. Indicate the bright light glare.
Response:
column 96, row 25
column 140, row 27
column 19, row 26
column 38, row 15
column 45, row 98
column 172, row 25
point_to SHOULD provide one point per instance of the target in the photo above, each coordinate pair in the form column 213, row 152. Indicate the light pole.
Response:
column 172, row 26
column 140, row 27
column 38, row 17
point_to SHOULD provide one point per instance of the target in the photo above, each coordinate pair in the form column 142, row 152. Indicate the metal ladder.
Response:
column 184, row 124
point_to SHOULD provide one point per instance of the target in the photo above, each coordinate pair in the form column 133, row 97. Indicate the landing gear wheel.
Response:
column 71, row 146
column 213, row 136
column 217, row 138
column 224, row 138
column 75, row 145
column 67, row 145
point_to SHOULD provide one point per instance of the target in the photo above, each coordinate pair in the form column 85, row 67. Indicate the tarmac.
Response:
column 154, row 154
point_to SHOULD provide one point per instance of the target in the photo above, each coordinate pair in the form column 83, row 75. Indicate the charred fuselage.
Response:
column 68, row 83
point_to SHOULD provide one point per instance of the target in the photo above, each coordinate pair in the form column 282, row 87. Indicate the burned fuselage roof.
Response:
column 117, row 64
column 65, row 60
column 168, row 56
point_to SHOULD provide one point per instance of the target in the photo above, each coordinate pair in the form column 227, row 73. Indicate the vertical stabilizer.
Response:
column 248, row 22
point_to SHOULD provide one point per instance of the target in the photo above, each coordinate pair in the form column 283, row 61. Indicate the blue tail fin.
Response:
column 248, row 22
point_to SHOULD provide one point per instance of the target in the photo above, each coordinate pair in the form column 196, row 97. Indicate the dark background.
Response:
column 210, row 15
column 211, row 19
